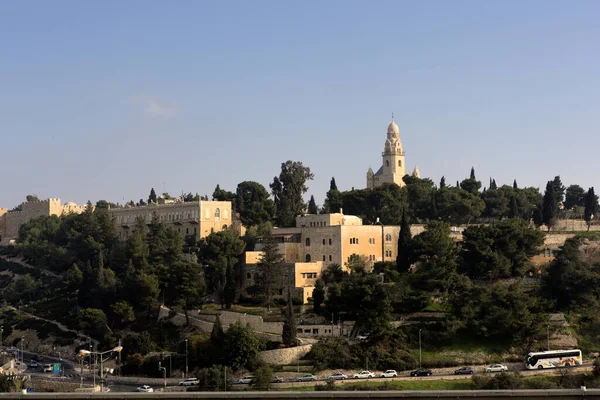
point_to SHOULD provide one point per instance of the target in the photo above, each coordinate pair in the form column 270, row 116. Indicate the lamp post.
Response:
column 186, row 359
column 1, row 333
column 420, row 358
column 382, row 240
column 82, row 353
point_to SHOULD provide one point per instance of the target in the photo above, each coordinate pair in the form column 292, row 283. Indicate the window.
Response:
column 387, row 163
column 323, row 244
column 399, row 163
column 324, row 258
column 195, row 230
column 307, row 242
column 307, row 258
column 388, row 237
column 187, row 231
column 330, row 258
column 217, row 213
column 371, row 240
column 330, row 242
column 249, row 275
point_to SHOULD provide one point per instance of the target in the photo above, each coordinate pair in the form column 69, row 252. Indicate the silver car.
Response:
column 306, row 378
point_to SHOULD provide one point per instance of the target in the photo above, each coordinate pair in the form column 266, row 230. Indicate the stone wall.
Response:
column 570, row 225
column 285, row 356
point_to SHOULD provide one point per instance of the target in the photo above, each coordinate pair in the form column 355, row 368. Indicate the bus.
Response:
column 553, row 359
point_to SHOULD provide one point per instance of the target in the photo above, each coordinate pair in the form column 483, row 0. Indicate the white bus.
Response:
column 553, row 359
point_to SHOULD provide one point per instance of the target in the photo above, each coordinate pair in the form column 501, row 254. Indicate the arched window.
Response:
column 307, row 258
column 387, row 163
column 217, row 213
column 307, row 242
column 388, row 238
column 399, row 163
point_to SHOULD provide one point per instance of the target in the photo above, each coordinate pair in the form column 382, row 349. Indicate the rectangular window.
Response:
column 330, row 242
column 330, row 257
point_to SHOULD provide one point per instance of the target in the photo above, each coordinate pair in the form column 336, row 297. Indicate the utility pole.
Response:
column 548, row 335
column 119, row 368
column 22, row 354
column 1, row 333
column 164, row 371
column 186, row 359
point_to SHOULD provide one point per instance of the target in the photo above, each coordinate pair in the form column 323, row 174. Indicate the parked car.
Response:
column 307, row 378
column 189, row 382
column 390, row 373
column 247, row 380
column 48, row 368
column 464, row 371
column 364, row 375
column 496, row 368
column 33, row 364
column 421, row 372
column 144, row 389
column 362, row 337
column 277, row 379
column 338, row 376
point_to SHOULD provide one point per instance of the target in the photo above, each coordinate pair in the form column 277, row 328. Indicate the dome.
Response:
column 70, row 204
column 393, row 128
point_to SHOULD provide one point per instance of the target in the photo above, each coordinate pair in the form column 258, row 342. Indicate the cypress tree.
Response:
column 443, row 182
column 288, row 335
column 403, row 259
column 550, row 206
column 152, row 197
column 514, row 207
column 312, row 206
column 332, row 185
column 591, row 207
column 318, row 296
column 515, row 184
column 472, row 176
column 229, row 290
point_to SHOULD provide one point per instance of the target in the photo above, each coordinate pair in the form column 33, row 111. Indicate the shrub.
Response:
column 503, row 380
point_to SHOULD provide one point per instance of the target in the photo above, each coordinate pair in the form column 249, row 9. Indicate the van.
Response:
column 48, row 368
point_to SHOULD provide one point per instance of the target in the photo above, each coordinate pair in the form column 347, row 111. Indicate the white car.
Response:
column 362, row 337
column 364, row 375
column 390, row 373
column 247, row 380
column 496, row 368
column 145, row 389
column 189, row 382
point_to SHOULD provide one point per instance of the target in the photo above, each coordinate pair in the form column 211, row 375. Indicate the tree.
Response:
column 443, row 182
column 93, row 321
column 32, row 198
column 240, row 347
column 188, row 283
column 270, row 269
column 312, row 206
column 123, row 311
column 253, row 203
column 471, row 185
column 515, row 184
column 74, row 277
column 289, row 325
column 217, row 334
column 230, row 287
column 574, row 197
column 224, row 195
column 403, row 260
column 152, row 199
column 332, row 184
column 559, row 189
column 591, row 207
column 264, row 377
column 550, row 207
column 288, row 190
column 318, row 296
column 514, row 208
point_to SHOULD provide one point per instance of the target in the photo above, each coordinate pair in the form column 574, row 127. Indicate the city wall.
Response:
column 285, row 356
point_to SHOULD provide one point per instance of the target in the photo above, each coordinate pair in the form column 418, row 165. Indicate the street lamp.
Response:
column 186, row 360
column 420, row 358
column 83, row 353
column 378, row 222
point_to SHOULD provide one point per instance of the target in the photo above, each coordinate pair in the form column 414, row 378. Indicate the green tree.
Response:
column 403, row 260
column 270, row 268
column 217, row 252
column 288, row 190
column 471, row 185
column 254, row 204
column 550, row 205
column 443, row 182
column 318, row 296
column 591, row 207
column 123, row 311
column 241, row 347
column 289, row 325
column 515, row 186
column 419, row 193
column 332, row 184
column 312, row 206
column 74, row 277
column 230, row 287
column 333, row 199
column 32, row 198
column 94, row 321
column 458, row 206
column 513, row 211
column 188, row 282
column 574, row 197
column 264, row 376
column 224, row 195
column 152, row 199
column 559, row 190
column 217, row 334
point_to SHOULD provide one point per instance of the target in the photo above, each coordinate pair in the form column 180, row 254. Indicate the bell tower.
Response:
column 394, row 168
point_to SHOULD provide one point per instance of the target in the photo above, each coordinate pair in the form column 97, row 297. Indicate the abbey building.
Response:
column 393, row 168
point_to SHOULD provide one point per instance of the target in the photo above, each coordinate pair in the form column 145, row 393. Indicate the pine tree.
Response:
column 217, row 334
column 550, row 206
column 312, row 206
column 403, row 260
column 332, row 185
column 538, row 218
column 288, row 334
column 495, row 186
column 515, row 184
column 318, row 296
column 559, row 190
column 152, row 197
column 443, row 182
column 591, row 207
column 434, row 208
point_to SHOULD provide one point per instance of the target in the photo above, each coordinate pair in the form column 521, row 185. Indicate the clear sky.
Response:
column 106, row 99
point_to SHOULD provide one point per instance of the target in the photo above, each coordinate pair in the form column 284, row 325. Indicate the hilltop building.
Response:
column 393, row 168
column 11, row 221
column 197, row 218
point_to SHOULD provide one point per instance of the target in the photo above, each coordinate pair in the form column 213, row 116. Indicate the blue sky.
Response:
column 108, row 99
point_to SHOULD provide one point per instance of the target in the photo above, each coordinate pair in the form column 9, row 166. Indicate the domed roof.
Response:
column 393, row 128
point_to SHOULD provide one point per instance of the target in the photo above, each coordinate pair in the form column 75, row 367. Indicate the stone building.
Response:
column 11, row 221
column 197, row 218
column 393, row 168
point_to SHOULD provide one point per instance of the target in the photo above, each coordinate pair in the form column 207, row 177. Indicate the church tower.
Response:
column 393, row 168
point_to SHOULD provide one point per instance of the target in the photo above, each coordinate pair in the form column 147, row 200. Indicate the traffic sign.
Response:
column 56, row 369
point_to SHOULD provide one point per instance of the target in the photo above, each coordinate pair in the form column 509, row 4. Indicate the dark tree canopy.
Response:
column 288, row 190
column 254, row 203
column 312, row 206
column 574, row 197
column 550, row 205
column 591, row 206
column 403, row 260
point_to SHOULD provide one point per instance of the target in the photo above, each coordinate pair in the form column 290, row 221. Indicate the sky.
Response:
column 107, row 99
